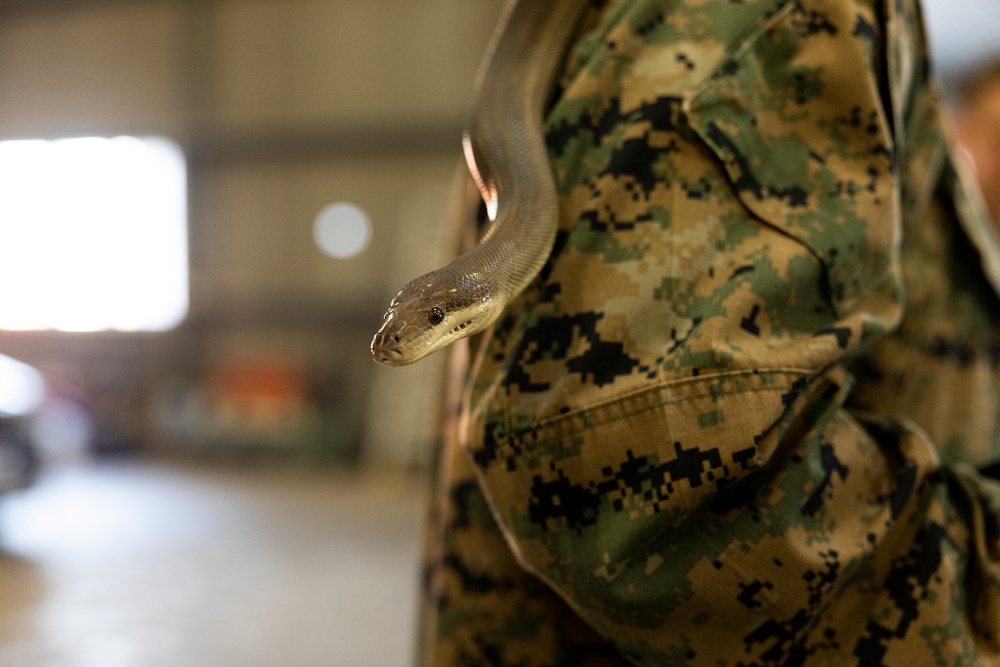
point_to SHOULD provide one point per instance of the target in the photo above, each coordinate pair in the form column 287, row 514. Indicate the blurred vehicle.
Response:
column 18, row 456
column 22, row 390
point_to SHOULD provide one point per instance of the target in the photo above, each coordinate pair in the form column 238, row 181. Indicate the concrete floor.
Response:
column 163, row 565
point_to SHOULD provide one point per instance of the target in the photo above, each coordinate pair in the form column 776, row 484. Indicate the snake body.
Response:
column 505, row 150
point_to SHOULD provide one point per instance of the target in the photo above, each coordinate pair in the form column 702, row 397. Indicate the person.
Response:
column 977, row 130
column 741, row 417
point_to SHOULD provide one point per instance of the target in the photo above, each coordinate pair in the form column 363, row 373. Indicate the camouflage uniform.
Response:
column 734, row 421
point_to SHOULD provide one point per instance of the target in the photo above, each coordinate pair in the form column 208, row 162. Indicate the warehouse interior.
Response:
column 280, row 108
column 243, row 486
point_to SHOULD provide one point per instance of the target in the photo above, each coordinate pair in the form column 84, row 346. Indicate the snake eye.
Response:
column 436, row 316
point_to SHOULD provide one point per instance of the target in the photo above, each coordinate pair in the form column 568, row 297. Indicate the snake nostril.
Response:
column 395, row 338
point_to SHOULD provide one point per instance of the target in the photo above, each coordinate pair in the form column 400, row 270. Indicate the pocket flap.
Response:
column 805, row 143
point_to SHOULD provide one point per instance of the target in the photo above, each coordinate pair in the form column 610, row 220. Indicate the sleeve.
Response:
column 659, row 424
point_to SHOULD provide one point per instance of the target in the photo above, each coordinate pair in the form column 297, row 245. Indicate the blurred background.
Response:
column 199, row 463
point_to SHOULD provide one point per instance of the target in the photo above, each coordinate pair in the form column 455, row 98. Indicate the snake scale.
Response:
column 505, row 150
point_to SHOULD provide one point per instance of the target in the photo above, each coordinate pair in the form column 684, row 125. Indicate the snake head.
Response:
column 430, row 313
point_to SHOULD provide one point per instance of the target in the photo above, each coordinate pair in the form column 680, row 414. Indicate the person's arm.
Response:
column 659, row 426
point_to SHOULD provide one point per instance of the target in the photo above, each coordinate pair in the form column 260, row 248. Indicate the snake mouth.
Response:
column 386, row 351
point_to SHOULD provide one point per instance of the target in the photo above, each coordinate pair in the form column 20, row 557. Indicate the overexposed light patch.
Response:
column 22, row 388
column 342, row 230
column 93, row 234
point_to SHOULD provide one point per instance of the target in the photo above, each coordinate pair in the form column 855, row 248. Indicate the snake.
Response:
column 505, row 151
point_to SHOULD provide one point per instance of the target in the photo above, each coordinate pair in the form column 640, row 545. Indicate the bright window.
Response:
column 93, row 234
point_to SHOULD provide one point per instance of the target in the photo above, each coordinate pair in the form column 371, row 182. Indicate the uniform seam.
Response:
column 612, row 410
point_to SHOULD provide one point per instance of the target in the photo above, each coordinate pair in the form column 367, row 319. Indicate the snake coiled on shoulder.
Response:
column 505, row 150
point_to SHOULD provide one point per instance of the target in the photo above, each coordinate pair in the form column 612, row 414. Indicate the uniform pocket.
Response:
column 621, row 471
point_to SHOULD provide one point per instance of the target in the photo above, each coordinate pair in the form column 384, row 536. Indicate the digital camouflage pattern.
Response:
column 734, row 421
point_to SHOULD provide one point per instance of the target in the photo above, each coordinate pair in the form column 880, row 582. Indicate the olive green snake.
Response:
column 505, row 150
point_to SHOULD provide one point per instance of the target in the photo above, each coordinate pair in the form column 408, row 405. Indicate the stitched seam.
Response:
column 616, row 409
